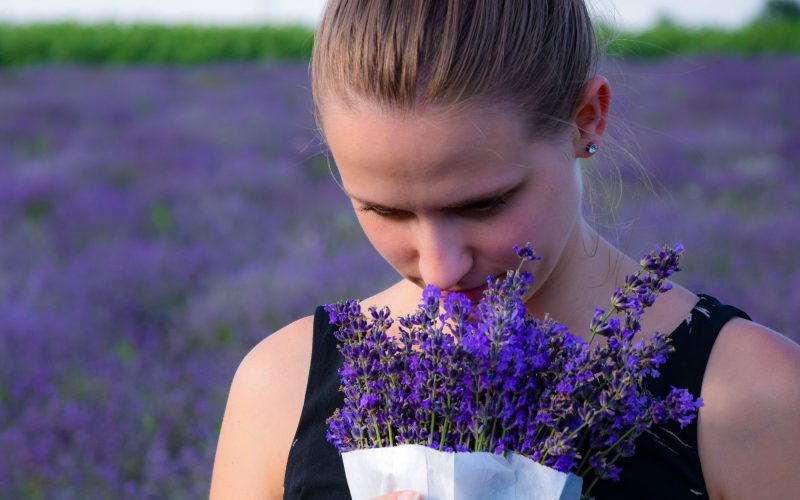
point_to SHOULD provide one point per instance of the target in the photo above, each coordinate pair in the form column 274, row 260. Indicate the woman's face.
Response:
column 444, row 197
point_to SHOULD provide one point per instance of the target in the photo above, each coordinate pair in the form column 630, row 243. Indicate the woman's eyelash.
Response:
column 382, row 212
column 479, row 208
column 377, row 210
column 484, row 206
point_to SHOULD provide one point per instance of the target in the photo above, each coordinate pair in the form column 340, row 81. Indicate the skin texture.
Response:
column 425, row 186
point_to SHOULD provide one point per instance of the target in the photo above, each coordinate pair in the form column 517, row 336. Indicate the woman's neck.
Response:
column 585, row 277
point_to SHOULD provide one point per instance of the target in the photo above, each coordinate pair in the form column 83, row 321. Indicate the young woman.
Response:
column 456, row 127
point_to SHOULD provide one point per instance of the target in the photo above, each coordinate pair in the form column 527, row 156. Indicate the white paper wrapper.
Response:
column 440, row 475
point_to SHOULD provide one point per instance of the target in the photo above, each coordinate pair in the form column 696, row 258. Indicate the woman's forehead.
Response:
column 457, row 186
column 368, row 134
column 417, row 158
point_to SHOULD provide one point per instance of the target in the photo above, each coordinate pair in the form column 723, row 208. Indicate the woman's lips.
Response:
column 473, row 294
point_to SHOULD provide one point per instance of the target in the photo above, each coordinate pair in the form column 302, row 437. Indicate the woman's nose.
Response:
column 444, row 257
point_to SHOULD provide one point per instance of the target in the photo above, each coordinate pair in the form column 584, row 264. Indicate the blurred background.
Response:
column 157, row 160
column 628, row 13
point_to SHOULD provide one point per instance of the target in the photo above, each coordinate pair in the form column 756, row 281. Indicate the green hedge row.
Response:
column 665, row 39
column 149, row 43
column 144, row 43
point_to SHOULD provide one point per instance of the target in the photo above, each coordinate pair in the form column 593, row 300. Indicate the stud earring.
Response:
column 591, row 148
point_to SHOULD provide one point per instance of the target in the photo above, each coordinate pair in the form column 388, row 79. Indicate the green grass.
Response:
column 187, row 44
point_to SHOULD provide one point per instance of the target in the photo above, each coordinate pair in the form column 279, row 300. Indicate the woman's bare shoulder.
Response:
column 749, row 428
column 402, row 298
column 261, row 416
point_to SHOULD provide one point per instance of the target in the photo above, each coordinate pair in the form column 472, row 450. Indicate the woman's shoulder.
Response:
column 749, row 427
column 292, row 341
column 262, row 412
column 401, row 298
column 265, row 403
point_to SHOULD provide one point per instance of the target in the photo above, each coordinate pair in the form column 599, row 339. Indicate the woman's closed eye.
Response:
column 388, row 213
column 482, row 208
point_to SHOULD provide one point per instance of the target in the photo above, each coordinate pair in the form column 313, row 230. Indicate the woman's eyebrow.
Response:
column 363, row 202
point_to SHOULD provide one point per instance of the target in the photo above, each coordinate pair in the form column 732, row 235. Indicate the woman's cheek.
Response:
column 389, row 239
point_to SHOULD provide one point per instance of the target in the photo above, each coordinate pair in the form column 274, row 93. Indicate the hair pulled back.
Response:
column 405, row 55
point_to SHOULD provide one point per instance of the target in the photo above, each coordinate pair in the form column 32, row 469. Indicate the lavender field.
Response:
column 157, row 222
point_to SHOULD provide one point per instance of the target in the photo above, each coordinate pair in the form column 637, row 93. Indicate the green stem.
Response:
column 491, row 436
column 576, row 431
column 547, row 451
column 430, row 431
column 586, row 493
column 616, row 457
column 377, row 432
column 607, row 451
column 433, row 418
column 597, row 478
column 621, row 438
column 374, row 420
column 604, row 319
column 444, row 431
column 446, row 423
column 585, row 455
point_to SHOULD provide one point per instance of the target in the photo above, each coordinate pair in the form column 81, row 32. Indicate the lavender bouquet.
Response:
column 485, row 395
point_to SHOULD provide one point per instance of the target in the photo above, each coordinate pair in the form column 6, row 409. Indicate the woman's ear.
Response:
column 592, row 115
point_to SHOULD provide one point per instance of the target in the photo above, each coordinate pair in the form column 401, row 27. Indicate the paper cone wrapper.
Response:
column 439, row 475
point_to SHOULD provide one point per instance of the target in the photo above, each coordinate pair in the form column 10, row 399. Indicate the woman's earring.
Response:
column 591, row 148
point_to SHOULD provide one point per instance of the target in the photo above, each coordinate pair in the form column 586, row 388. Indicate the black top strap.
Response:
column 666, row 464
column 693, row 341
column 314, row 468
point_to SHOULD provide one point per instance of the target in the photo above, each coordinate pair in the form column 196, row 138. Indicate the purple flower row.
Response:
column 154, row 226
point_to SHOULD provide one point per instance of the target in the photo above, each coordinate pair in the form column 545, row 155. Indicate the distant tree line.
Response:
column 775, row 30
column 781, row 10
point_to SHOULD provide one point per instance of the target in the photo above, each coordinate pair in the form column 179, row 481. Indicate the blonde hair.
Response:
column 534, row 55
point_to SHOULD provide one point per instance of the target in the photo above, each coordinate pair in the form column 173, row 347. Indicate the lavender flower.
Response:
column 490, row 377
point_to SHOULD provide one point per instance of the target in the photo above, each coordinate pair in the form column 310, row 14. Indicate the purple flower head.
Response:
column 603, row 468
column 457, row 307
column 663, row 262
column 680, row 406
column 526, row 252
column 603, row 325
column 343, row 312
column 621, row 302
column 430, row 301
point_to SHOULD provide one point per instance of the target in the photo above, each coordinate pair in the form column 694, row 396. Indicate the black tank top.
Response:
column 666, row 464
